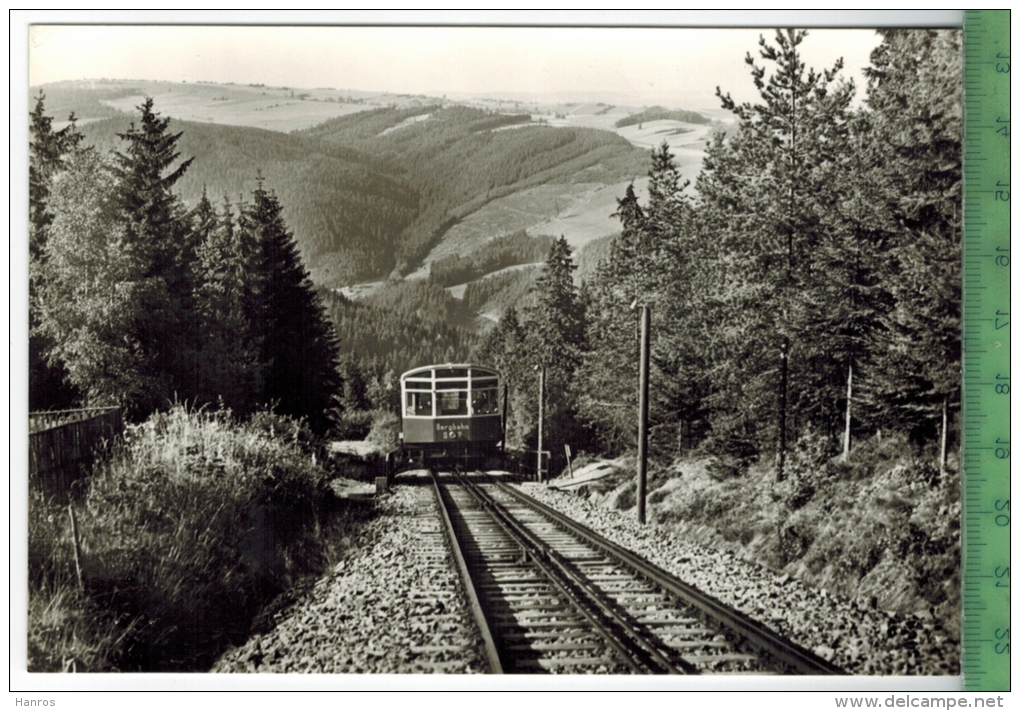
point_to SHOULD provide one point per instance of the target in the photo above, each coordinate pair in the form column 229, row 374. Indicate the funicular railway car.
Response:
column 450, row 415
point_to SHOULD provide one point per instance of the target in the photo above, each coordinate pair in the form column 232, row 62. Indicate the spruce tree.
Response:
column 915, row 93
column 299, row 350
column 229, row 367
column 157, row 234
column 504, row 348
column 652, row 262
column 47, row 153
column 555, row 341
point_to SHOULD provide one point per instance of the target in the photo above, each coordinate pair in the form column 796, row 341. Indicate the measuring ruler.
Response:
column 986, row 331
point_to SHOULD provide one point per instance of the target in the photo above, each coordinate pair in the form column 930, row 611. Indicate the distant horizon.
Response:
column 671, row 67
column 691, row 102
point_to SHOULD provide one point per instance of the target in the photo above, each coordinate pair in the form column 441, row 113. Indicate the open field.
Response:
column 273, row 108
column 276, row 108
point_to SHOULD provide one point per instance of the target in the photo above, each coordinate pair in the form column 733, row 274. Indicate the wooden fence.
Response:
column 62, row 445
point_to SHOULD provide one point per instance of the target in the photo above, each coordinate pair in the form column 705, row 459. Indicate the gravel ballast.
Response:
column 852, row 636
column 393, row 605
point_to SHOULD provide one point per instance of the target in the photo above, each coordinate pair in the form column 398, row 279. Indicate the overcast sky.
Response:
column 675, row 67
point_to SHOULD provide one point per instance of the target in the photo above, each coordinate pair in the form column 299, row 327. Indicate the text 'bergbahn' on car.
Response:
column 450, row 415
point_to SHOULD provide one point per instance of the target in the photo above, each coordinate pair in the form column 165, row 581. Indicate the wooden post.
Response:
column 77, row 546
column 642, row 472
column 541, row 416
column 506, row 403
column 570, row 465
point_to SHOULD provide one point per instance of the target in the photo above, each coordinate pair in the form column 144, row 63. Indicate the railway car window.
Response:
column 484, row 402
column 420, row 374
column 452, row 385
column 452, row 402
column 419, row 405
column 419, row 385
column 452, row 373
column 479, row 383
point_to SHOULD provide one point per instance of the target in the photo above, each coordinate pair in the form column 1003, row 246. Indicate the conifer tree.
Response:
column 157, row 234
column 556, row 322
column 229, row 367
column 47, row 153
column 652, row 263
column 768, row 201
column 49, row 150
column 915, row 94
column 299, row 350
column 504, row 349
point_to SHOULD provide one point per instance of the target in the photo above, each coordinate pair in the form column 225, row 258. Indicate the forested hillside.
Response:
column 499, row 253
column 459, row 158
column 343, row 208
column 805, row 341
column 137, row 301
column 808, row 288
column 658, row 113
column 373, row 192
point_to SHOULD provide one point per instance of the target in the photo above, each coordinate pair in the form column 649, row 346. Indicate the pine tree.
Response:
column 768, row 200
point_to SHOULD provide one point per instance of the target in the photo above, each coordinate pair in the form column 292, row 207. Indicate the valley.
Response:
column 348, row 164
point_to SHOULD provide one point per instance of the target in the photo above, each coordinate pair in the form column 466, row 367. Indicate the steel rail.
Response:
column 759, row 636
column 636, row 652
column 491, row 652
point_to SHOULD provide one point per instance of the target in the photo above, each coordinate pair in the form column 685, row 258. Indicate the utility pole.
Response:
column 642, row 472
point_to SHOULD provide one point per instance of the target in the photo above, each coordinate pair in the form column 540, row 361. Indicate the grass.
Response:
column 884, row 525
column 193, row 527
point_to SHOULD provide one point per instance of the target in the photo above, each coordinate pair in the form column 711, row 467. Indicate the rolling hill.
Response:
column 377, row 185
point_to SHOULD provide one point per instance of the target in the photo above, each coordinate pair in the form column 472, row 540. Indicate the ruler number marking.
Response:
column 1001, row 316
column 1002, row 505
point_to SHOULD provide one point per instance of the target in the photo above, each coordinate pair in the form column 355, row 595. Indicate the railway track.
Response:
column 551, row 596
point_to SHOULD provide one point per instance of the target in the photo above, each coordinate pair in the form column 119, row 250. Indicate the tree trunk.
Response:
column 849, row 395
column 942, row 456
column 783, row 382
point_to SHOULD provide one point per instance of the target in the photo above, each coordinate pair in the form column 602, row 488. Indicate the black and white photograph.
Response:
column 527, row 349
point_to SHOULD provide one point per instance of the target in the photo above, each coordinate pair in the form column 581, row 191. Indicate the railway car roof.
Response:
column 426, row 371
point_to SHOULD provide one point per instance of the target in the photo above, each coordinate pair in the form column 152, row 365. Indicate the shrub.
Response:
column 384, row 431
column 194, row 524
